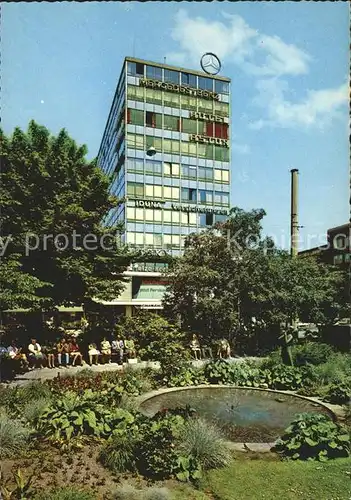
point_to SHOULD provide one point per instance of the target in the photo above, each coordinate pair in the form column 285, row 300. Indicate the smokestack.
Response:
column 294, row 224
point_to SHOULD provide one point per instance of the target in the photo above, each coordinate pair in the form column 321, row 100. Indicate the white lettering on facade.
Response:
column 209, row 140
column 172, row 87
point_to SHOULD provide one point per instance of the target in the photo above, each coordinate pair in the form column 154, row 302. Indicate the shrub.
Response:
column 157, row 457
column 187, row 375
column 66, row 494
column 336, row 370
column 13, row 437
column 119, row 453
column 283, row 377
column 203, row 441
column 338, row 394
column 34, row 391
column 74, row 416
column 314, row 436
column 33, row 410
column 313, row 353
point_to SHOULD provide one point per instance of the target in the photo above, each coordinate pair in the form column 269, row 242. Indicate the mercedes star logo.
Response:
column 210, row 63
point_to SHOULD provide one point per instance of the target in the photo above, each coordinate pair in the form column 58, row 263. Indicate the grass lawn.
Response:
column 266, row 479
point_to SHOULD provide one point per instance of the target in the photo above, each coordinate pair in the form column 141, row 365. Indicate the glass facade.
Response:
column 185, row 186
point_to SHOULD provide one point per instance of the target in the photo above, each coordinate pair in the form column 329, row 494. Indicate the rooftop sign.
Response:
column 173, row 87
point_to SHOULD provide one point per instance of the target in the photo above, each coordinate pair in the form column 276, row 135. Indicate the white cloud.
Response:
column 235, row 42
column 267, row 59
column 317, row 108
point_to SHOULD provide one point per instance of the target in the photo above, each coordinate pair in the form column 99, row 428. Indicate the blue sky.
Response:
column 288, row 63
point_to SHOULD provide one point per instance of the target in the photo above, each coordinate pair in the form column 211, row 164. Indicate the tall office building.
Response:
column 181, row 117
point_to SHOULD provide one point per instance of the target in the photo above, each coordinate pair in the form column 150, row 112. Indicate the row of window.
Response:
column 209, row 151
column 157, row 240
column 177, row 124
column 136, row 190
column 173, row 100
column 175, row 170
column 172, row 217
column 177, row 77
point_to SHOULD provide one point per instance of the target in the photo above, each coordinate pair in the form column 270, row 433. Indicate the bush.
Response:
column 13, row 437
column 128, row 492
column 283, row 377
column 74, row 416
column 157, row 457
column 187, row 375
column 65, row 494
column 33, row 410
column 314, row 436
column 338, row 394
column 336, row 370
column 313, row 353
column 119, row 454
column 203, row 441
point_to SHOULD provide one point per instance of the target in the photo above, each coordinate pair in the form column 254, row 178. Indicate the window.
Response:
column 205, row 106
column 158, row 215
column 130, row 213
column 135, row 189
column 188, row 148
column 167, row 239
column 139, row 238
column 205, row 83
column 149, row 239
column 171, row 169
column 221, row 108
column 135, row 93
column 188, row 102
column 171, row 76
column 158, row 240
column 209, row 220
column 131, row 238
column 171, row 100
column 149, row 214
column 221, row 153
column 189, row 194
column 221, row 87
column 205, row 173
column 205, row 151
column 188, row 80
column 153, row 119
column 221, row 130
column 155, row 142
column 135, row 116
column 135, row 141
column 340, row 242
column 153, row 167
column 171, row 122
column 189, row 126
column 139, row 69
column 221, row 175
column 220, row 218
column 131, row 69
column 175, row 240
column 153, row 72
column 139, row 214
column 189, row 171
column 153, row 96
column 167, row 216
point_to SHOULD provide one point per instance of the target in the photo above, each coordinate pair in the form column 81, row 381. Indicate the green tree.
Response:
column 232, row 282
column 55, row 247
column 156, row 338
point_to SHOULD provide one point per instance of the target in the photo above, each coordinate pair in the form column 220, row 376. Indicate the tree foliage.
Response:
column 52, row 199
column 231, row 281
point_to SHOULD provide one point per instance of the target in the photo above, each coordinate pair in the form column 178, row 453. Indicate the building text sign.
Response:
column 209, row 140
column 206, row 117
column 149, row 204
column 194, row 208
column 173, row 87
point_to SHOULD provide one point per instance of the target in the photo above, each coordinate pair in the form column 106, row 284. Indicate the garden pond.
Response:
column 243, row 415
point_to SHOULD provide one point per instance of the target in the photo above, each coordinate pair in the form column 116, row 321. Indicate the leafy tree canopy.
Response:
column 55, row 249
column 231, row 278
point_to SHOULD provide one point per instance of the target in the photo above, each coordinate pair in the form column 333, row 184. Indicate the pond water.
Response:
column 244, row 415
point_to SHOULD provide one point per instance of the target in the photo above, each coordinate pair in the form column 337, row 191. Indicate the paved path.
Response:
column 50, row 373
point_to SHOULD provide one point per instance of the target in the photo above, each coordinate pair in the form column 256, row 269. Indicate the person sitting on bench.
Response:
column 118, row 348
column 105, row 350
column 195, row 346
column 130, row 347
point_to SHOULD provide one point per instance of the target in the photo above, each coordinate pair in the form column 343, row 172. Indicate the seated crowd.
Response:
column 67, row 352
